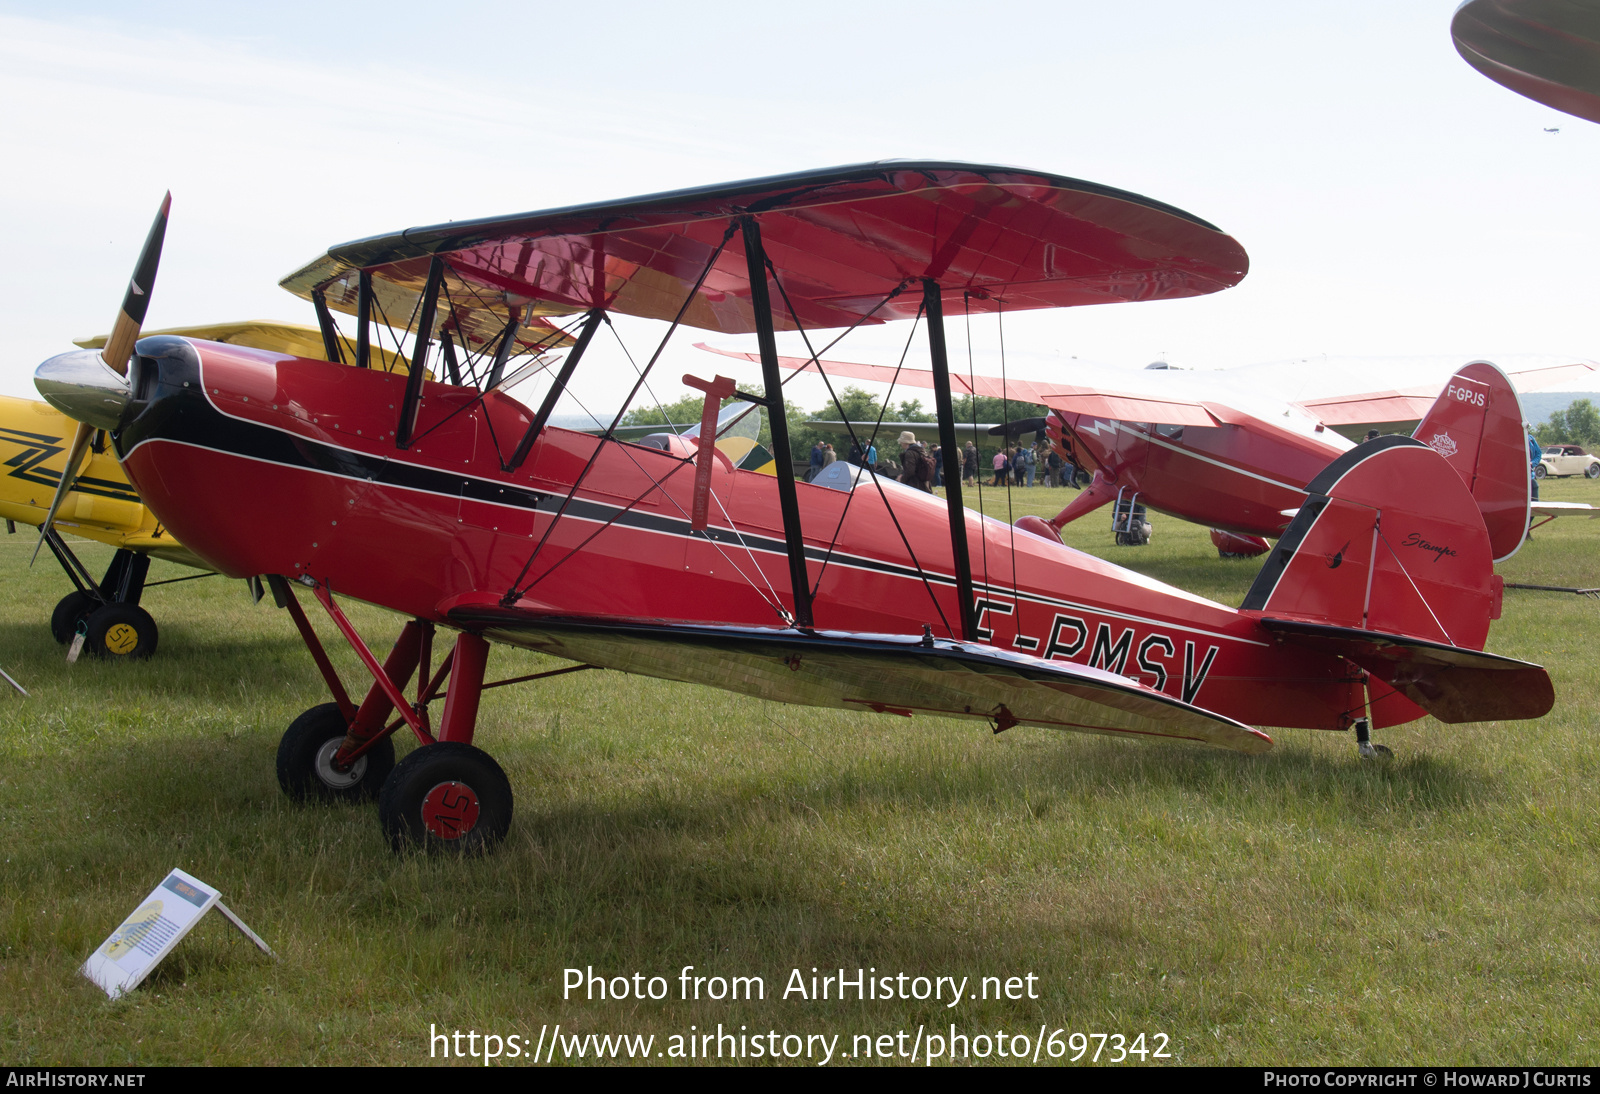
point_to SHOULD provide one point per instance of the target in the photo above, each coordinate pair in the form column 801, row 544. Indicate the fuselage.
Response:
column 1244, row 475
column 268, row 464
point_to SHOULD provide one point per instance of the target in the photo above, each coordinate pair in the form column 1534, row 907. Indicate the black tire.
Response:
column 1592, row 471
column 446, row 797
column 1540, row 472
column 305, row 754
column 71, row 610
column 121, row 632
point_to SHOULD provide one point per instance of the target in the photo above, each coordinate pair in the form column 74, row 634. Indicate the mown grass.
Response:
column 1298, row 907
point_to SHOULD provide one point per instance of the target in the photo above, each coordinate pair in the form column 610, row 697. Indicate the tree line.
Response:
column 1578, row 424
column 856, row 406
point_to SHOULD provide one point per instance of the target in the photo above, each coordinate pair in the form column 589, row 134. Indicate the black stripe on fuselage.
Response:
column 185, row 415
column 178, row 413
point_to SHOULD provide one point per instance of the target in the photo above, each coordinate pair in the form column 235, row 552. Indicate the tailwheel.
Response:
column 1364, row 746
column 306, row 770
column 71, row 610
column 120, row 631
column 446, row 797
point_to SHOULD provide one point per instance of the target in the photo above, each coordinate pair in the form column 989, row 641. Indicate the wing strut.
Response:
column 502, row 353
column 546, row 408
column 772, row 383
column 364, row 320
column 944, row 411
column 419, row 355
column 330, row 335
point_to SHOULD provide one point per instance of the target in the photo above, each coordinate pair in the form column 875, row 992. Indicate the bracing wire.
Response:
column 608, row 436
column 872, row 471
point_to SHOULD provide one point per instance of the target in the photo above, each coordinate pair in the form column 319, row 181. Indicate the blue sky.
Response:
column 1392, row 200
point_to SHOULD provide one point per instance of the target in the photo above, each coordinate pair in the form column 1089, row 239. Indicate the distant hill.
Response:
column 1539, row 405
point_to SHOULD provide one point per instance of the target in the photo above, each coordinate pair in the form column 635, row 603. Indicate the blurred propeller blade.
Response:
column 69, row 475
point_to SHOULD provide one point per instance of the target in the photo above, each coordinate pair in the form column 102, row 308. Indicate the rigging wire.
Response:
column 773, row 602
column 1005, row 396
column 512, row 593
column 816, row 357
column 872, row 471
column 972, row 402
column 469, row 404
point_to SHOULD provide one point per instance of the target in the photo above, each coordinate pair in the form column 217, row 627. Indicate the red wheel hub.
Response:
column 450, row 810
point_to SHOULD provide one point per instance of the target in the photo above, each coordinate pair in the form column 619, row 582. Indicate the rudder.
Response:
column 1476, row 425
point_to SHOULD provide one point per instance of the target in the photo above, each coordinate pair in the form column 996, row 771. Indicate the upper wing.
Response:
column 845, row 245
column 884, row 673
column 290, row 338
column 1121, row 406
column 1548, row 50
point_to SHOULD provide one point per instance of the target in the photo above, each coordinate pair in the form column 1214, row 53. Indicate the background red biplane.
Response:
column 665, row 559
column 1205, row 448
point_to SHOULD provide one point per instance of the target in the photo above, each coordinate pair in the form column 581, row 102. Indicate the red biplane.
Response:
column 666, row 560
column 1204, row 448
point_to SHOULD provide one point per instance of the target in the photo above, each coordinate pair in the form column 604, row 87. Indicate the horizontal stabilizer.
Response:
column 1564, row 509
column 885, row 673
column 1452, row 684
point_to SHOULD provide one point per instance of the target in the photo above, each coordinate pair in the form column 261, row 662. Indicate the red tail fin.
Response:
column 1476, row 425
column 1389, row 540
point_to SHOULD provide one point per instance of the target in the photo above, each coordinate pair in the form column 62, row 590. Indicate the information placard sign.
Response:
column 155, row 927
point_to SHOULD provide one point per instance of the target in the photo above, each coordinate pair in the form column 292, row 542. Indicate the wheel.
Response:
column 1540, row 472
column 446, row 797
column 1592, row 471
column 70, row 611
column 121, row 631
column 305, row 760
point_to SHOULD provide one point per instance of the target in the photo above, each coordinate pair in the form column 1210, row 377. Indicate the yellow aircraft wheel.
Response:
column 122, row 632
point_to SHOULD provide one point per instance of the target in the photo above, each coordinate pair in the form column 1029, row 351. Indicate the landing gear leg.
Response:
column 115, row 626
column 1364, row 745
column 446, row 796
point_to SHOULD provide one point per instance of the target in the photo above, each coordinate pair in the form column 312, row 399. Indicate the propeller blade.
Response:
column 69, row 475
column 119, row 347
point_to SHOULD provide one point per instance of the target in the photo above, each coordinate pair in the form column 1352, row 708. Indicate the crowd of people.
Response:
column 918, row 465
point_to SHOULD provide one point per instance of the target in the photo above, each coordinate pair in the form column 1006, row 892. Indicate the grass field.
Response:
column 1297, row 907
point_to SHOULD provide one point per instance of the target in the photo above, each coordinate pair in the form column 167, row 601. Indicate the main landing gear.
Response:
column 447, row 795
column 1130, row 523
column 106, row 613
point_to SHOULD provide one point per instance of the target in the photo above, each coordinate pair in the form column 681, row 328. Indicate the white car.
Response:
column 1567, row 459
